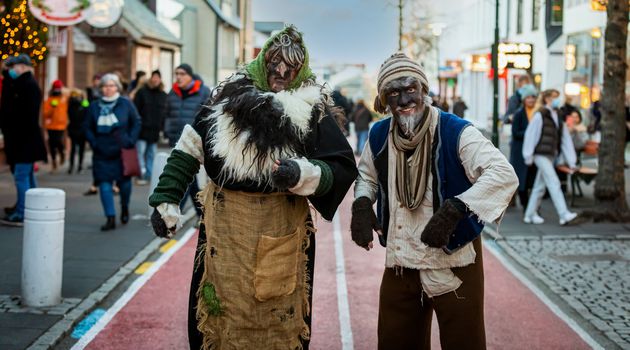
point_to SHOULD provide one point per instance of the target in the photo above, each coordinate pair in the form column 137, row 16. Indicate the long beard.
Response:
column 408, row 124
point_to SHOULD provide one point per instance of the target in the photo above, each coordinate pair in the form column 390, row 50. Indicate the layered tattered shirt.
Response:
column 494, row 183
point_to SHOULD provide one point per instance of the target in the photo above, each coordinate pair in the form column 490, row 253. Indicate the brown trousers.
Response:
column 405, row 311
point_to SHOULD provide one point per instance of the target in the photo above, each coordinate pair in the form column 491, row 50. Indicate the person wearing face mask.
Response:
column 437, row 179
column 547, row 138
column 19, row 120
column 271, row 146
column 526, row 174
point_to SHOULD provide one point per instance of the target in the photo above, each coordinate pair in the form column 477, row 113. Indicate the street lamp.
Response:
column 495, row 78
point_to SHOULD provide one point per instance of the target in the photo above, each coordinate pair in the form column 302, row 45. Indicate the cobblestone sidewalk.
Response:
column 591, row 274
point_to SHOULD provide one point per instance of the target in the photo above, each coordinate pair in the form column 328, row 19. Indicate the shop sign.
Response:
column 515, row 55
column 570, row 60
column 104, row 13
column 59, row 12
column 480, row 63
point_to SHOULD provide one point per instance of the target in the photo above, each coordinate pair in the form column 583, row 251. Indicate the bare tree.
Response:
column 610, row 193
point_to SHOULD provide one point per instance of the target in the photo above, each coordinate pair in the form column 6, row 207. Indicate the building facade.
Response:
column 565, row 38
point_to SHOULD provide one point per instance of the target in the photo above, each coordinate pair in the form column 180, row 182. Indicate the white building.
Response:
column 552, row 27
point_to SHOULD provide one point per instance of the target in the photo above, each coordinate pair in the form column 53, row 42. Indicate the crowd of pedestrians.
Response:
column 110, row 116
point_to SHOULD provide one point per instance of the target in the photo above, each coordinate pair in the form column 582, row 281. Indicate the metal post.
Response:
column 159, row 162
column 400, row 24
column 495, row 78
column 42, row 247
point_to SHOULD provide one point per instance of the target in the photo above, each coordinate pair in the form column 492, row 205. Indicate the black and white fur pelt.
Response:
column 249, row 129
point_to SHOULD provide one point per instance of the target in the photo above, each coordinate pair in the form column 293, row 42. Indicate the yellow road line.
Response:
column 168, row 245
column 143, row 268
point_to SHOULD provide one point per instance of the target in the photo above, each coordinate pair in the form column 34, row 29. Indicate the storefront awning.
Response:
column 142, row 24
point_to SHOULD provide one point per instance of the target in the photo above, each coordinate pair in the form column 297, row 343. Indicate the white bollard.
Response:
column 42, row 247
column 159, row 162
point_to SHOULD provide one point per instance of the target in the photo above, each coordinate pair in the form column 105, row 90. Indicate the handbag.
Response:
column 131, row 165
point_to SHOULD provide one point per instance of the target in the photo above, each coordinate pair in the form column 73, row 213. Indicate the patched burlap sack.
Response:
column 254, row 293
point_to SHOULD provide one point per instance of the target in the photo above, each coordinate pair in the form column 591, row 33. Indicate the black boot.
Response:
column 124, row 215
column 110, row 224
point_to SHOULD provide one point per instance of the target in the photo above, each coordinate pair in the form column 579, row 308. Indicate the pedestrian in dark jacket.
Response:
column 459, row 107
column 182, row 105
column 19, row 120
column 183, row 102
column 151, row 104
column 77, row 109
column 515, row 101
column 112, row 124
column 362, row 117
column 526, row 174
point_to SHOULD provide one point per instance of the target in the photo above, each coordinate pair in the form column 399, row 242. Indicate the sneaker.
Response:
column 13, row 220
column 141, row 182
column 534, row 219
column 567, row 218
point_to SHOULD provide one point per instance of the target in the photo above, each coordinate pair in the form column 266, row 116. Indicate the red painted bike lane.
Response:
column 155, row 317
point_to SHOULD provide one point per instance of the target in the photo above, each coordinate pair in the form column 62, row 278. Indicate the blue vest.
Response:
column 449, row 177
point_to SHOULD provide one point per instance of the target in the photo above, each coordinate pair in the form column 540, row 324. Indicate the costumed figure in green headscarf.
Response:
column 270, row 142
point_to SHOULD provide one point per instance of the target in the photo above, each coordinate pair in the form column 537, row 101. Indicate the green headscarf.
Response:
column 257, row 69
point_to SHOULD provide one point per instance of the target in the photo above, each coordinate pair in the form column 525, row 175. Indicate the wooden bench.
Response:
column 583, row 173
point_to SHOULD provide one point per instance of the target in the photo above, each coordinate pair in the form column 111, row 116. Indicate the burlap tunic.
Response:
column 255, row 260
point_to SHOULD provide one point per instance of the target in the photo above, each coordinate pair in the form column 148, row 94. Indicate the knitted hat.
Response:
column 187, row 68
column 19, row 59
column 397, row 66
column 57, row 85
column 527, row 90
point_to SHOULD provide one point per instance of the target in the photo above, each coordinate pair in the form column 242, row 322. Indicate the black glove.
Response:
column 438, row 230
column 287, row 175
column 159, row 226
column 363, row 222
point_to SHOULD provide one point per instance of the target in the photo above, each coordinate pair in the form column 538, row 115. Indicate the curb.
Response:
column 64, row 326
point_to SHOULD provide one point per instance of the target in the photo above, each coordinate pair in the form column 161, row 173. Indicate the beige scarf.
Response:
column 412, row 173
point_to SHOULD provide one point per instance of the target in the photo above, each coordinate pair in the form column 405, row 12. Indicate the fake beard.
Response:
column 409, row 123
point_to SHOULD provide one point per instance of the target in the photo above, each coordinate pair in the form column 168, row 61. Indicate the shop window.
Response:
column 535, row 14
column 519, row 16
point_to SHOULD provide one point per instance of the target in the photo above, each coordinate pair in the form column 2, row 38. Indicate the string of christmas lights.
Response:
column 23, row 33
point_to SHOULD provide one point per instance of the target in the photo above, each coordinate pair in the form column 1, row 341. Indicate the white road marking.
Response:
column 345, row 327
column 131, row 292
column 494, row 249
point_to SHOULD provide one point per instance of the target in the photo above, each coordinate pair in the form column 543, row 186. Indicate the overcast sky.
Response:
column 338, row 31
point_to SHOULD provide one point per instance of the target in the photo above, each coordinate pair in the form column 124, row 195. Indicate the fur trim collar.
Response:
column 250, row 129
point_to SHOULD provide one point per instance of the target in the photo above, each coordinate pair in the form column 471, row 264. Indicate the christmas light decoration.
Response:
column 22, row 33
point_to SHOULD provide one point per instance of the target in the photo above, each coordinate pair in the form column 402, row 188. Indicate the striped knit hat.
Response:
column 397, row 66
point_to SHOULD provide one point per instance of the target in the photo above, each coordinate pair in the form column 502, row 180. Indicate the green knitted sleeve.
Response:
column 175, row 179
column 326, row 179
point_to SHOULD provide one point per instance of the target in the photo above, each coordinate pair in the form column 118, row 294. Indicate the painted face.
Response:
column 404, row 97
column 280, row 73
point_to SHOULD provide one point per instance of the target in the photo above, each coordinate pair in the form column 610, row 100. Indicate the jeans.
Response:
column 546, row 178
column 77, row 144
column 24, row 178
column 362, row 137
column 146, row 154
column 107, row 195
